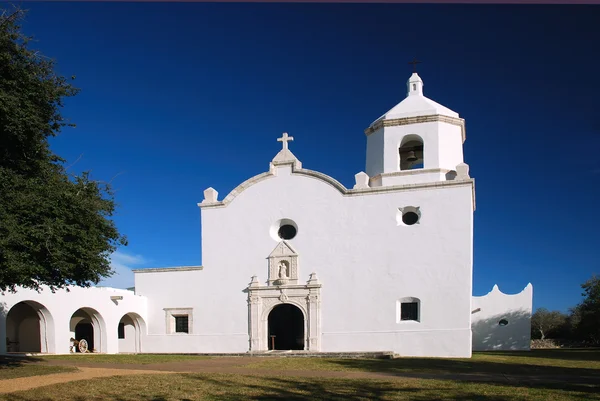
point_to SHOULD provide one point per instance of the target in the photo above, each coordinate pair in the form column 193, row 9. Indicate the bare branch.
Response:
column 115, row 176
column 75, row 162
column 6, row 19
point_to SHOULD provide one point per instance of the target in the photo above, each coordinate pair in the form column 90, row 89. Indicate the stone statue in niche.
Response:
column 284, row 272
column 283, row 265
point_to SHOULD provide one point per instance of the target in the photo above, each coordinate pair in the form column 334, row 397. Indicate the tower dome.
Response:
column 416, row 141
column 416, row 104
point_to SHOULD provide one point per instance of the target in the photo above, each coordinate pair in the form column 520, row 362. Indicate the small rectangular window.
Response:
column 409, row 311
column 179, row 320
column 181, row 324
column 121, row 330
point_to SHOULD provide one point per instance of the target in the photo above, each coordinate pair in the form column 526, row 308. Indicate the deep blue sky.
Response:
column 179, row 97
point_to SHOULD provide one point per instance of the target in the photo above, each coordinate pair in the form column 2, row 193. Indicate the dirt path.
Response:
column 84, row 373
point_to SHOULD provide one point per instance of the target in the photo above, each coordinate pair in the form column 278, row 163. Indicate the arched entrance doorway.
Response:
column 29, row 328
column 129, row 332
column 87, row 324
column 286, row 328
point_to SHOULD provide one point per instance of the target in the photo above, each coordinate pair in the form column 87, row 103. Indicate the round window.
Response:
column 287, row 231
column 410, row 218
column 503, row 322
column 284, row 229
column 408, row 215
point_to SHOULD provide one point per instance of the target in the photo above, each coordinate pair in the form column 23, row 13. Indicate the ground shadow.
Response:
column 293, row 389
column 567, row 354
column 9, row 361
column 515, row 374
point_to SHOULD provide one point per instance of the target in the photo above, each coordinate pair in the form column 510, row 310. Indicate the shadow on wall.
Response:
column 502, row 332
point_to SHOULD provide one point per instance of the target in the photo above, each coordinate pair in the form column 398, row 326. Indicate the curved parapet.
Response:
column 246, row 184
column 210, row 201
column 502, row 321
column 296, row 170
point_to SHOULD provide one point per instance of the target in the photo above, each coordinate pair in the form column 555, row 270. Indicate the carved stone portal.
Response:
column 283, row 288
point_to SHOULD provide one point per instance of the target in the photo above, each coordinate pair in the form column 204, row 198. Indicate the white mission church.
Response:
column 277, row 274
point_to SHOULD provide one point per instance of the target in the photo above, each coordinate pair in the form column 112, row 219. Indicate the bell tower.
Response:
column 417, row 141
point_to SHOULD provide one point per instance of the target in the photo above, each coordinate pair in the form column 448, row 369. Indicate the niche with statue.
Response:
column 283, row 265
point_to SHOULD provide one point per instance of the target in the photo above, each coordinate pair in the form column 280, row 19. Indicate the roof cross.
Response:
column 414, row 64
column 284, row 140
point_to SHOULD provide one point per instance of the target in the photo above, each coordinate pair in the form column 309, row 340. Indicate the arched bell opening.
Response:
column 87, row 324
column 286, row 328
column 130, row 331
column 411, row 153
column 29, row 328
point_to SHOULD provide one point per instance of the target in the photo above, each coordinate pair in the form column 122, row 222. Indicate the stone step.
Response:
column 338, row 355
column 301, row 354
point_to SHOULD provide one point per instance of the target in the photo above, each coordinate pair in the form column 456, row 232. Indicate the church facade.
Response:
column 293, row 260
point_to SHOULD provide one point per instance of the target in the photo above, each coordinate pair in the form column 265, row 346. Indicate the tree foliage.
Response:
column 55, row 227
column 587, row 313
column 581, row 324
column 545, row 322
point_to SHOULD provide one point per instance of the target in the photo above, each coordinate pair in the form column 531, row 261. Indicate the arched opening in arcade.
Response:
column 286, row 328
column 87, row 324
column 130, row 333
column 29, row 328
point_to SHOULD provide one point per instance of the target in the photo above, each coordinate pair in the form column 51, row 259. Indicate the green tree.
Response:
column 55, row 227
column 588, row 311
column 545, row 322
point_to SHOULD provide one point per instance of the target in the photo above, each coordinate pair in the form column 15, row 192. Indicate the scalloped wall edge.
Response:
column 495, row 289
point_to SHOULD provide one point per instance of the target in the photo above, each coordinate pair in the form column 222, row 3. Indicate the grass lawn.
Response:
column 546, row 375
column 11, row 368
column 566, row 358
column 560, row 362
column 238, row 387
column 143, row 359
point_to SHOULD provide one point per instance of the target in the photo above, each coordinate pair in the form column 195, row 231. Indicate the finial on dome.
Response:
column 415, row 83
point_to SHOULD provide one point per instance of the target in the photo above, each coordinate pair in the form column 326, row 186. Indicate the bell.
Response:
column 411, row 157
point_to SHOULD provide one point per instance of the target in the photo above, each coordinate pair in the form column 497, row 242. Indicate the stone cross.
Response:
column 284, row 140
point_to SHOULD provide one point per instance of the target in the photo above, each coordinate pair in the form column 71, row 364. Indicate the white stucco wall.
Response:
column 365, row 260
column 55, row 323
column 211, row 326
column 375, row 150
column 490, row 309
